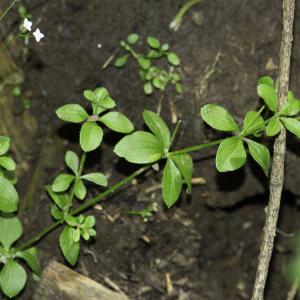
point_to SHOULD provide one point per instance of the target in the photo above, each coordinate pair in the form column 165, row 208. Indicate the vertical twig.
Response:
column 277, row 174
column 293, row 291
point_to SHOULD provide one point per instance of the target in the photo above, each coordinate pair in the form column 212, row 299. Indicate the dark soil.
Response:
column 209, row 242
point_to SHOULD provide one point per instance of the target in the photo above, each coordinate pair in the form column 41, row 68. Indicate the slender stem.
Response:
column 175, row 132
column 196, row 148
column 178, row 18
column 277, row 173
column 89, row 203
column 7, row 10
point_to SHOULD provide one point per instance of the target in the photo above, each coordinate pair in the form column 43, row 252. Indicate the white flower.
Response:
column 27, row 24
column 38, row 35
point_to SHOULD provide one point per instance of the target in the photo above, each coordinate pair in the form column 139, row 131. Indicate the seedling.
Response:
column 152, row 75
column 175, row 24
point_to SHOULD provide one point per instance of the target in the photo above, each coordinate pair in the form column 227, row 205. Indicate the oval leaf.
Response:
column 116, row 121
column 231, row 155
column 173, row 59
column 31, row 258
column 97, row 178
column 292, row 125
column 253, row 121
column 4, row 144
column 72, row 161
column 80, row 190
column 260, row 154
column 11, row 231
column 268, row 94
column 91, row 136
column 69, row 248
column 171, row 183
column 12, row 279
column 153, row 42
column 184, row 162
column 9, row 198
column 218, row 118
column 273, row 127
column 62, row 182
column 7, row 163
column 139, row 147
column 74, row 113
column 121, row 61
column 158, row 127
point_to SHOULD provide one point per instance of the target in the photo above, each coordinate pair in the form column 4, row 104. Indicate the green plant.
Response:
column 152, row 76
column 176, row 22
column 139, row 147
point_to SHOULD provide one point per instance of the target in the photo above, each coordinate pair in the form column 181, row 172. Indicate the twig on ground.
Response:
column 293, row 291
column 277, row 173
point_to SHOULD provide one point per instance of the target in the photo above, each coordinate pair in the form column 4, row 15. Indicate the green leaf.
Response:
column 97, row 178
column 179, row 88
column 60, row 199
column 56, row 213
column 218, row 118
column 268, row 94
column 4, row 144
column 31, row 258
column 7, row 163
column 139, row 147
column 266, row 80
column 171, row 183
column 100, row 94
column 62, row 182
column 72, row 161
column 173, row 59
column 292, row 125
column 231, row 155
column 69, row 249
column 133, row 38
column 159, row 128
column 144, row 63
column 90, row 222
column 158, row 83
column 12, row 279
column 74, row 113
column 89, row 95
column 116, row 121
column 292, row 107
column 121, row 61
column 91, row 136
column 9, row 198
column 148, row 88
column 273, row 127
column 165, row 47
column 253, row 121
column 260, row 154
column 184, row 162
column 80, row 190
column 11, row 231
column 153, row 42
column 107, row 103
column 76, row 235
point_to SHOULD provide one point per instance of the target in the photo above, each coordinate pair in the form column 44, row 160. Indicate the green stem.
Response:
column 178, row 18
column 89, row 203
column 196, row 148
column 7, row 10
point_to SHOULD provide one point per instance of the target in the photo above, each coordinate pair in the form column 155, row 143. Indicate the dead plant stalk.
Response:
column 277, row 173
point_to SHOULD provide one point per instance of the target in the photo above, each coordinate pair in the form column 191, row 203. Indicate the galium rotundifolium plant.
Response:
column 152, row 75
column 147, row 148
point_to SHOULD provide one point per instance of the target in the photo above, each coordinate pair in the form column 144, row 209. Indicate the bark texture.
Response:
column 277, row 173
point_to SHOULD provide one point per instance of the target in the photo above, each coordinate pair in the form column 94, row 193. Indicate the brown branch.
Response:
column 277, row 173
